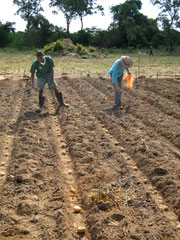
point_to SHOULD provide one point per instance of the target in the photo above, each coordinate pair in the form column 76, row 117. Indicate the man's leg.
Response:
column 41, row 83
column 41, row 100
column 60, row 98
column 118, row 95
column 119, row 82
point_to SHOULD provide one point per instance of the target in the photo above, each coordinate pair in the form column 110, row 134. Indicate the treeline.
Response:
column 129, row 28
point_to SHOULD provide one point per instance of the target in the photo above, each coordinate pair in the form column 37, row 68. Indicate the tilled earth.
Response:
column 122, row 169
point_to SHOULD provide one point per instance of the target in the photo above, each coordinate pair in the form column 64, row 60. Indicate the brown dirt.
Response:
column 123, row 170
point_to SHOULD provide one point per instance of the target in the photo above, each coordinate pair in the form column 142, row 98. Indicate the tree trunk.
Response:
column 170, row 39
column 68, row 25
column 81, row 19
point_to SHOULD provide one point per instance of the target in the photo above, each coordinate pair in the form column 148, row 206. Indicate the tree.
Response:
column 125, row 18
column 130, row 27
column 5, row 31
column 86, row 7
column 28, row 8
column 169, row 16
column 73, row 9
column 40, row 31
column 67, row 7
column 130, row 8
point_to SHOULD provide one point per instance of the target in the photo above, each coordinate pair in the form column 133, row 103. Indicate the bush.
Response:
column 80, row 49
column 85, row 57
column 92, row 49
column 48, row 48
column 58, row 46
column 104, row 51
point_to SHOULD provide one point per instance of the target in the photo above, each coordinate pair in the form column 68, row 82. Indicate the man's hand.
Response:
column 119, row 89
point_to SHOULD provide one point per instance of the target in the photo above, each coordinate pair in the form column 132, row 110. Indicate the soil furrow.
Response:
column 115, row 159
column 104, row 92
column 167, row 89
column 32, row 201
column 72, row 197
column 163, row 104
column 11, row 101
column 151, row 155
column 148, row 114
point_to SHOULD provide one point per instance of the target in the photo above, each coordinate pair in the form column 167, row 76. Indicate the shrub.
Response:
column 85, row 57
column 48, row 48
column 58, row 46
column 92, row 49
column 80, row 49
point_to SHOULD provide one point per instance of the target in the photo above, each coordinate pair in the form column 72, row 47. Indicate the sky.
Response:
column 8, row 10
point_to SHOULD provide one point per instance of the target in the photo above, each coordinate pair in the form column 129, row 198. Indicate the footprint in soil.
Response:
column 117, row 217
column 118, row 113
column 32, row 115
column 26, row 209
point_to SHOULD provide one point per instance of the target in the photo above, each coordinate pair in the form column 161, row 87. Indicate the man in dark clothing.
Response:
column 43, row 66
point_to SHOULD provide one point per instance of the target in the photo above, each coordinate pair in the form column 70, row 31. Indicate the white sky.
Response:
column 8, row 10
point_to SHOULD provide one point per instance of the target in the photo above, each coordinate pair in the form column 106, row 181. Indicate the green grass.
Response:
column 20, row 62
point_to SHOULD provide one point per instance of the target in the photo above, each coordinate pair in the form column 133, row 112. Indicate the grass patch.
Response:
column 20, row 62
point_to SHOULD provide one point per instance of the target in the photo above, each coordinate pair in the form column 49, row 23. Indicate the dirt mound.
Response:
column 67, row 43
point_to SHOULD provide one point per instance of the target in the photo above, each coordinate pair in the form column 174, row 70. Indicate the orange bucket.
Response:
column 129, row 80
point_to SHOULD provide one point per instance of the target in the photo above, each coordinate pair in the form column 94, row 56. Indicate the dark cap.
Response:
column 39, row 54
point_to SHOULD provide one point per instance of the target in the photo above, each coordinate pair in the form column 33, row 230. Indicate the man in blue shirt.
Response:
column 43, row 66
column 117, row 73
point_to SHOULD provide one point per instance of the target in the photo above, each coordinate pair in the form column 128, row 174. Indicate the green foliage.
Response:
column 27, row 9
column 169, row 17
column 130, row 27
column 40, row 31
column 73, row 9
column 48, row 48
column 103, row 196
column 85, row 57
column 17, row 40
column 58, row 46
column 5, row 33
column 86, row 7
column 92, row 49
column 67, row 8
column 80, row 49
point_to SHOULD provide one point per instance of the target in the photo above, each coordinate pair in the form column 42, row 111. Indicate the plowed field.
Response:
column 122, row 170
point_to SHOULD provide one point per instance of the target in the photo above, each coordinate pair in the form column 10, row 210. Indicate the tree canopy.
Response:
column 28, row 8
column 169, row 16
column 129, row 28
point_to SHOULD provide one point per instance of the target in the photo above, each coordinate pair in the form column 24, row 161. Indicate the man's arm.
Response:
column 32, row 79
column 127, row 69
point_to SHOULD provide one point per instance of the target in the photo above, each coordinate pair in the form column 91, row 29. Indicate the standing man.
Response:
column 117, row 73
column 43, row 66
column 151, row 51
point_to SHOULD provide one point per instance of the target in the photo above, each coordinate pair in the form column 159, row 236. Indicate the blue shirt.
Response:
column 117, row 70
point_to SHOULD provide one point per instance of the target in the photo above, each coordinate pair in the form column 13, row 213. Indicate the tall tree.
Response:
column 169, row 16
column 125, row 18
column 40, row 31
column 130, row 27
column 27, row 9
column 67, row 7
column 86, row 7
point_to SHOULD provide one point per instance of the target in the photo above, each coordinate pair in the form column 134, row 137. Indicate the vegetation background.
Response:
column 129, row 29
